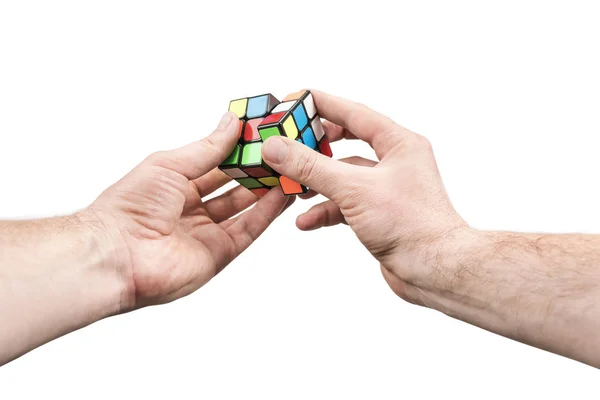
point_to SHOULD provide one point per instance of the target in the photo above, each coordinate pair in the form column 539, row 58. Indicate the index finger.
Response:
column 374, row 128
column 247, row 227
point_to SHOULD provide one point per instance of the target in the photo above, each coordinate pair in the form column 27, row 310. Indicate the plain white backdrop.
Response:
column 508, row 93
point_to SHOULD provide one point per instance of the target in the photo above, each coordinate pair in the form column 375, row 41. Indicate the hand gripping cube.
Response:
column 262, row 117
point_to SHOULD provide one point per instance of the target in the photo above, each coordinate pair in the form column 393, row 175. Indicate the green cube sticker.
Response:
column 268, row 132
column 249, row 183
column 251, row 154
column 233, row 158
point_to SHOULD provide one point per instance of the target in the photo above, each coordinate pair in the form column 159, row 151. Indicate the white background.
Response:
column 507, row 93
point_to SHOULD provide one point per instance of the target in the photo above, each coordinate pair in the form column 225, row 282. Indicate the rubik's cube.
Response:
column 262, row 117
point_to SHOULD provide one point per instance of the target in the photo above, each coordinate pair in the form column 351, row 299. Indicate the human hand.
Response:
column 166, row 240
column 397, row 207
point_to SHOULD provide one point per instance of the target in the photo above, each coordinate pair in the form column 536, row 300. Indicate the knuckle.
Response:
column 423, row 142
column 162, row 159
column 209, row 146
column 356, row 118
column 305, row 164
column 362, row 106
column 157, row 157
column 208, row 142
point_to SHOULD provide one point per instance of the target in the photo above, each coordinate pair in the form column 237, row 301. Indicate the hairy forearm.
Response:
column 55, row 277
column 543, row 290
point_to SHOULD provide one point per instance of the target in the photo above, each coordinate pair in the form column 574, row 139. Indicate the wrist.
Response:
column 108, row 259
column 453, row 261
column 444, row 267
column 459, row 281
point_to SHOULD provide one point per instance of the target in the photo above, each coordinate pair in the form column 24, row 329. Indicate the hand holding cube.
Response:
column 262, row 117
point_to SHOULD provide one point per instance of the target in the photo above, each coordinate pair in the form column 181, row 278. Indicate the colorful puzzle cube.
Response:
column 262, row 117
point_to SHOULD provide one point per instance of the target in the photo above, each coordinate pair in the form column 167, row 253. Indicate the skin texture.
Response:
column 148, row 239
column 153, row 237
column 543, row 290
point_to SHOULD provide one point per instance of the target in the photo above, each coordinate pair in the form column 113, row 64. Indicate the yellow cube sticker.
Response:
column 239, row 107
column 289, row 126
column 269, row 181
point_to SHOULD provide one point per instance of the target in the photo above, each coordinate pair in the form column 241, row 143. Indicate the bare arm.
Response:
column 55, row 277
column 539, row 289
column 149, row 239
column 543, row 290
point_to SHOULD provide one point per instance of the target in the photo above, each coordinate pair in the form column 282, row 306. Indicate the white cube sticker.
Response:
column 235, row 173
column 309, row 106
column 281, row 107
column 317, row 128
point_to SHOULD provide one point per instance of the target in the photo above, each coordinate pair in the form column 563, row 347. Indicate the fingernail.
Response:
column 226, row 120
column 275, row 150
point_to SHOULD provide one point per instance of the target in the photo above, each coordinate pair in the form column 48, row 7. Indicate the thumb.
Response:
column 198, row 158
column 306, row 166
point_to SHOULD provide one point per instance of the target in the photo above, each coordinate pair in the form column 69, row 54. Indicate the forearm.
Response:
column 55, row 277
column 543, row 290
